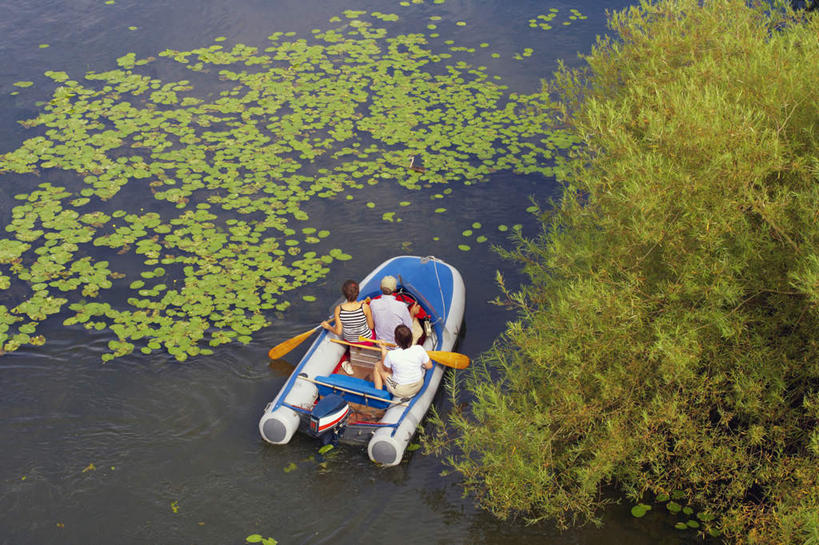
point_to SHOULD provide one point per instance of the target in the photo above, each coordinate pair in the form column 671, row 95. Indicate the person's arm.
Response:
column 387, row 370
column 428, row 363
column 405, row 315
column 337, row 328
column 369, row 314
column 378, row 372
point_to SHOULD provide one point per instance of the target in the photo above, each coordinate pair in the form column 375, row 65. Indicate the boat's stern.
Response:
column 279, row 422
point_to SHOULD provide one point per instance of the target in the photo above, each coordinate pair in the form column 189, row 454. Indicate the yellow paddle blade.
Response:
column 283, row 348
column 450, row 359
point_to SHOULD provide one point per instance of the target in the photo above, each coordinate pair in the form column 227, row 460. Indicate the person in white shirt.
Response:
column 388, row 312
column 402, row 370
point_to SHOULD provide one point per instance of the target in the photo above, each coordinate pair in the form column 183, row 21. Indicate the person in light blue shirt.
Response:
column 389, row 312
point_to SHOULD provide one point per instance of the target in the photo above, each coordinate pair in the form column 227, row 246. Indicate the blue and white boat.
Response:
column 330, row 394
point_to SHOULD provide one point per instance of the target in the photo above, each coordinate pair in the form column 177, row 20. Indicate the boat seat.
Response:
column 364, row 357
column 355, row 390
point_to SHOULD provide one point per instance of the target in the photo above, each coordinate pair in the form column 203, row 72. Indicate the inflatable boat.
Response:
column 330, row 394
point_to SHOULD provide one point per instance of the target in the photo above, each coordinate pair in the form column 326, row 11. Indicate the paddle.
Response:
column 449, row 359
column 283, row 348
column 376, row 341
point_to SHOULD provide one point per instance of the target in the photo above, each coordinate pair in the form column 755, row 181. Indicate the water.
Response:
column 145, row 450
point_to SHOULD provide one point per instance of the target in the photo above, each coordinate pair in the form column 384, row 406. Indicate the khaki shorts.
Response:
column 402, row 391
column 417, row 330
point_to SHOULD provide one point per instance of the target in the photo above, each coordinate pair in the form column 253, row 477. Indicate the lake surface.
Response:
column 144, row 449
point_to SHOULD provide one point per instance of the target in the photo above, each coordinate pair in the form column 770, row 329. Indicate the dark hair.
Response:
column 403, row 336
column 350, row 290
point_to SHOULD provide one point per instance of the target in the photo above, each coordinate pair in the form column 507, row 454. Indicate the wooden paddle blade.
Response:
column 283, row 348
column 450, row 359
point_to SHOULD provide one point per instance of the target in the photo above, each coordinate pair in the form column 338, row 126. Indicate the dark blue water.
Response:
column 145, row 450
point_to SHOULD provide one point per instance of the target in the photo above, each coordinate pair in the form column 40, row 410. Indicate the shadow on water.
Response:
column 281, row 367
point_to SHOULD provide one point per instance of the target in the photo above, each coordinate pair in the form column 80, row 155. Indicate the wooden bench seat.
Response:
column 364, row 357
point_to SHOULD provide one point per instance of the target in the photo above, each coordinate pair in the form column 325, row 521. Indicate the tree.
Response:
column 667, row 337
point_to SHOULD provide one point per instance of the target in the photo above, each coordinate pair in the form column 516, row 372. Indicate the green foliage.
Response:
column 667, row 340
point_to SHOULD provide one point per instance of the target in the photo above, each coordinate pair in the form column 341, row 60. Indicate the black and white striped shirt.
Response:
column 353, row 324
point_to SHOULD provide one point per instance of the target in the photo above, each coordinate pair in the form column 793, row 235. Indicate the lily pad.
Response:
column 230, row 175
column 640, row 510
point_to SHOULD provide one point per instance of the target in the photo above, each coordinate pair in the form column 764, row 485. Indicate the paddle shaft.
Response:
column 339, row 388
column 377, row 341
column 284, row 347
column 339, row 341
column 449, row 359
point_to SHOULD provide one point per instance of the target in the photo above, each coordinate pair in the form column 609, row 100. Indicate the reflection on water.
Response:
column 147, row 450
column 281, row 367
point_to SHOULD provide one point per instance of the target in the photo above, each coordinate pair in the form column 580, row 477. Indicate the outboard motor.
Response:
column 329, row 418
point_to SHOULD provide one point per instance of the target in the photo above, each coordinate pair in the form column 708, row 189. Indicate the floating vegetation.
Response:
column 576, row 15
column 688, row 520
column 527, row 52
column 184, row 228
column 543, row 21
column 640, row 510
column 258, row 538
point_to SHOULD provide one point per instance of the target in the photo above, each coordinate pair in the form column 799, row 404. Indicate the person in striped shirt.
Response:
column 353, row 318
